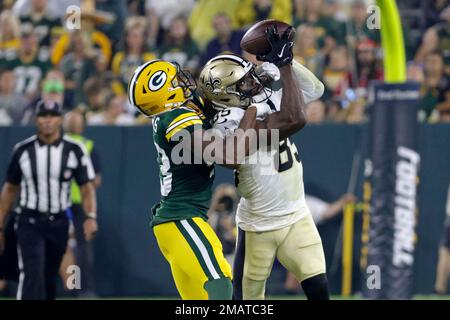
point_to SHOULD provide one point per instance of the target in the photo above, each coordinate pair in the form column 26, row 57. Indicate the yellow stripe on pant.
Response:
column 194, row 253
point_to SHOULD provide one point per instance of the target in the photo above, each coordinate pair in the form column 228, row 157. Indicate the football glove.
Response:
column 281, row 47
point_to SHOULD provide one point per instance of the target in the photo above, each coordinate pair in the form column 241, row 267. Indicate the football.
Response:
column 254, row 40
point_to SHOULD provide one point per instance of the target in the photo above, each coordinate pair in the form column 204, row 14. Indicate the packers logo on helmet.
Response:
column 157, row 80
column 159, row 86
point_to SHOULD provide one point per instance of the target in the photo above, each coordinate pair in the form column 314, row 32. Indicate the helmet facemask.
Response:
column 230, row 81
column 184, row 80
column 251, row 89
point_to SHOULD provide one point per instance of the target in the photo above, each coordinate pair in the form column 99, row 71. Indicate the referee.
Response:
column 41, row 170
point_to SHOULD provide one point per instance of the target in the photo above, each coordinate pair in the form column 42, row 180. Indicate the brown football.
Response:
column 255, row 41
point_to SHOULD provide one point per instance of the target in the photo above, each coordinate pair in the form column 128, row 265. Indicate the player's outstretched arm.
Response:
column 291, row 117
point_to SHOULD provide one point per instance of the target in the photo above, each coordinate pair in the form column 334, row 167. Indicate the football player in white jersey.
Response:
column 273, row 219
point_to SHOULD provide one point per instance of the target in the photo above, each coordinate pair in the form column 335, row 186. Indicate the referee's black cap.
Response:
column 44, row 108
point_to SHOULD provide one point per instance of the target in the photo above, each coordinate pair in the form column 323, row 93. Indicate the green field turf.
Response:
column 285, row 297
column 282, row 297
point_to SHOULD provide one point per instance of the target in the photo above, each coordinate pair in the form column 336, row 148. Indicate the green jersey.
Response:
column 28, row 74
column 185, row 188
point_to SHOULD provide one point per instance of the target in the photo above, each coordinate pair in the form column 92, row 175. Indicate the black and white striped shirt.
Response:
column 44, row 172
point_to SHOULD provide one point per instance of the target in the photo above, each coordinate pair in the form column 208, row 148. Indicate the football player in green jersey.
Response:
column 161, row 90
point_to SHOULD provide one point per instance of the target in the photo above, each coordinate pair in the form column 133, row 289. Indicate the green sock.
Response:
column 219, row 289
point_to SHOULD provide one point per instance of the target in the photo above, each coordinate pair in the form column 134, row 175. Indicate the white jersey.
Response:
column 272, row 190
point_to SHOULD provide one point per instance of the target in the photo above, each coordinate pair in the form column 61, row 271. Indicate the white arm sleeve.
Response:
column 312, row 88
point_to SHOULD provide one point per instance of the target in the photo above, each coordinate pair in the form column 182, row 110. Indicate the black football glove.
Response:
column 281, row 47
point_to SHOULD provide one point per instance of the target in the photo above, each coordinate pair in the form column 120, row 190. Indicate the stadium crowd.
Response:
column 44, row 54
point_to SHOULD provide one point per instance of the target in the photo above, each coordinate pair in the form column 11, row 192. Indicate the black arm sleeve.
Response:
column 84, row 171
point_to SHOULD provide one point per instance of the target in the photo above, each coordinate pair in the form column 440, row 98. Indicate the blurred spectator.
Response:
column 28, row 67
column 336, row 72
column 227, row 40
column 7, row 4
column 113, row 114
column 414, row 72
column 9, row 36
column 357, row 29
column 55, row 35
column 328, row 30
column 306, row 49
column 251, row 11
column 96, row 94
column 337, row 10
column 334, row 108
column 443, row 265
column 162, row 14
column 367, row 68
column 322, row 26
column 355, row 111
column 433, row 12
column 54, row 8
column 437, row 37
column 433, row 86
column 133, row 54
column 106, row 77
column 116, row 12
column 40, row 19
column 201, row 18
column 52, row 90
column 221, row 216
column 90, row 20
column 12, row 104
column 179, row 47
column 77, row 65
column 322, row 211
column 136, row 8
column 316, row 112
